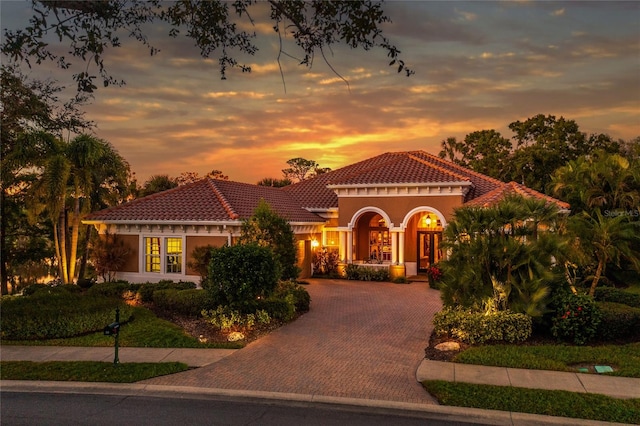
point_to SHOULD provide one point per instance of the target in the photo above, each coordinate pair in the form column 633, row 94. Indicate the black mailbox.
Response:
column 112, row 329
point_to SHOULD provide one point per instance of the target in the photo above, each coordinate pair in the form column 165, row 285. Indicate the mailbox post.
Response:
column 113, row 329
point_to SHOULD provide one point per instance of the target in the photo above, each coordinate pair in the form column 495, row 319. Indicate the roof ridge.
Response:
column 522, row 189
column 467, row 170
column 437, row 166
column 223, row 200
column 372, row 167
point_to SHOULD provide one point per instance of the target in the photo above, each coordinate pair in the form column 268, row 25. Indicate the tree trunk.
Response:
column 63, row 258
column 75, row 230
column 594, row 283
column 85, row 254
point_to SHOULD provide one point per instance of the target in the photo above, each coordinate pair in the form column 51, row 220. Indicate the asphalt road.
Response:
column 38, row 408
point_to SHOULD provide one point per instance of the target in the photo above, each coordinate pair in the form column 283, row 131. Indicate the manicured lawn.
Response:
column 625, row 359
column 87, row 371
column 146, row 331
column 552, row 403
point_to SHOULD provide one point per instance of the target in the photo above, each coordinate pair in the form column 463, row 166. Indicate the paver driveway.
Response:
column 359, row 340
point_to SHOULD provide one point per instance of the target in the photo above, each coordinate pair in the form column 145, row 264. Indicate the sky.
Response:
column 478, row 65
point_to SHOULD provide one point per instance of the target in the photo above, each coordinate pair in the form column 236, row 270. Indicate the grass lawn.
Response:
column 87, row 371
column 536, row 401
column 625, row 359
column 145, row 331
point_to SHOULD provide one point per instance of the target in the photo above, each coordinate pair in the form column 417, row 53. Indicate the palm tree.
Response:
column 606, row 239
column 74, row 177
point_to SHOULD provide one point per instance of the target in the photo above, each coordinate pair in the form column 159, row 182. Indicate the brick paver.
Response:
column 359, row 340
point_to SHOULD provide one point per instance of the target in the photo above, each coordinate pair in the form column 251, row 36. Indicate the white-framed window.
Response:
column 331, row 238
column 163, row 254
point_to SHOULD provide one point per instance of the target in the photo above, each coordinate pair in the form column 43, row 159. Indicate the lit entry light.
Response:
column 314, row 243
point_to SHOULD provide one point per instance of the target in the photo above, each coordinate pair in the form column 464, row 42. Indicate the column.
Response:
column 342, row 244
column 350, row 247
column 401, row 250
column 394, row 247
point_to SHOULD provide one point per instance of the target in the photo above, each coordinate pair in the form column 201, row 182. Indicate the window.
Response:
column 152, row 254
column 163, row 254
column 174, row 255
column 331, row 238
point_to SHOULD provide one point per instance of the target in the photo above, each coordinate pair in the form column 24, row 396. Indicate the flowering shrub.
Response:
column 434, row 273
column 577, row 318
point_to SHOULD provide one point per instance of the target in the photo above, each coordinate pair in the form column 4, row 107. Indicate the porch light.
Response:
column 427, row 221
column 314, row 243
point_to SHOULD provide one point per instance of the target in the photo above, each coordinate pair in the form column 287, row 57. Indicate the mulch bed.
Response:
column 436, row 355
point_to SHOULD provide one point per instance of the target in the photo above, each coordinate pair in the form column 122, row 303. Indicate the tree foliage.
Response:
column 221, row 28
column 33, row 120
column 499, row 259
column 540, row 145
column 275, row 183
column 300, row 169
column 108, row 254
column 267, row 229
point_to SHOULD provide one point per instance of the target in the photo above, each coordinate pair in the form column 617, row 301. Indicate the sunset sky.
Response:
column 478, row 65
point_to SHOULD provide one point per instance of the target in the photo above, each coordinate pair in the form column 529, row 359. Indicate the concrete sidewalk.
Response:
column 191, row 357
column 617, row 387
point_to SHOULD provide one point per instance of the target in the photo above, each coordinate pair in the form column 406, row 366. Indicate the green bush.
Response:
column 576, row 318
column 611, row 294
column 279, row 309
column 145, row 292
column 618, row 321
column 228, row 319
column 186, row 302
column 478, row 327
column 241, row 274
column 116, row 289
column 301, row 297
column 58, row 315
column 365, row 273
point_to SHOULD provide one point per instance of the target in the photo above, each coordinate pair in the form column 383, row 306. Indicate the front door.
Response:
column 428, row 249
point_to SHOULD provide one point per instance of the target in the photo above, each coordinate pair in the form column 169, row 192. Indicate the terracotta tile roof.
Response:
column 206, row 200
column 513, row 188
column 409, row 167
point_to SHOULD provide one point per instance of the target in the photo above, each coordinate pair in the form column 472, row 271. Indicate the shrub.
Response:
column 618, row 321
column 115, row 289
column 478, row 327
column 145, row 292
column 240, row 274
column 576, row 318
column 301, row 297
column 58, row 315
column 86, row 283
column 325, row 262
column 281, row 309
column 228, row 319
column 365, row 273
column 611, row 294
column 186, row 302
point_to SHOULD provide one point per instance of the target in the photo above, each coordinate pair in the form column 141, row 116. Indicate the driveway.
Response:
column 359, row 340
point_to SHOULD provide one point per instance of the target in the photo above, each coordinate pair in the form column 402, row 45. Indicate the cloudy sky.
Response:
column 478, row 65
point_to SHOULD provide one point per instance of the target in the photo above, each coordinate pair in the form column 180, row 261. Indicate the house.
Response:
column 388, row 211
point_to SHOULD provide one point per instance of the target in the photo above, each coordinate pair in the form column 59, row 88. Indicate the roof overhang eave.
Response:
column 402, row 185
column 162, row 222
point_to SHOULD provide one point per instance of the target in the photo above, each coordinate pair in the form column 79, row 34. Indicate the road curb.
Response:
column 441, row 412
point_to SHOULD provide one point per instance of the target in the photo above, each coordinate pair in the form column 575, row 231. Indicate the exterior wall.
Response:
column 199, row 241
column 397, row 207
column 133, row 243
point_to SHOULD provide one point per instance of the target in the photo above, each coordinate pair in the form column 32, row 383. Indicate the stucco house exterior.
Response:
column 388, row 211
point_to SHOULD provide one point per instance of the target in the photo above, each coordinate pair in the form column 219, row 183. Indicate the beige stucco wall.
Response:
column 198, row 241
column 132, row 263
column 397, row 207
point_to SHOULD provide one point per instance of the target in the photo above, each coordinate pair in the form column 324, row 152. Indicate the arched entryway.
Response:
column 423, row 239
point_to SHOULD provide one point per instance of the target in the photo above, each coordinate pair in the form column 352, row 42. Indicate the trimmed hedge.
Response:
column 366, row 273
column 477, row 327
column 146, row 290
column 611, row 294
column 301, row 297
column 617, row 321
column 60, row 314
column 187, row 302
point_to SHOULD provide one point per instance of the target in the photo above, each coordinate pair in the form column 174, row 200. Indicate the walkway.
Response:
column 360, row 340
